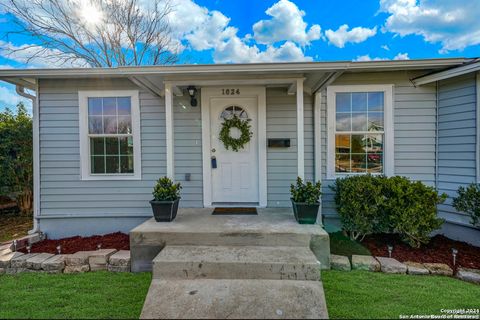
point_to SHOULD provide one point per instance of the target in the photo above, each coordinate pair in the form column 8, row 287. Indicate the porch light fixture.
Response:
column 192, row 91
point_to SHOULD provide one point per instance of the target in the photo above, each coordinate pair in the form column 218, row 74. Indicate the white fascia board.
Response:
column 231, row 68
column 450, row 73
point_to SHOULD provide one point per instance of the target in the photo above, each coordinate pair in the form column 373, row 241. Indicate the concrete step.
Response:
column 234, row 299
column 236, row 262
column 270, row 228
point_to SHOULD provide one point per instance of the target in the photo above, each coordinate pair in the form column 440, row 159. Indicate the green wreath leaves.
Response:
column 228, row 141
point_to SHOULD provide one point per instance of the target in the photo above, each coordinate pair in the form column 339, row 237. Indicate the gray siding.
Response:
column 414, row 128
column 62, row 192
column 456, row 140
column 282, row 163
column 188, row 150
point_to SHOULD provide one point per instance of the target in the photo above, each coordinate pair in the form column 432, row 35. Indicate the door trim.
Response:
column 258, row 92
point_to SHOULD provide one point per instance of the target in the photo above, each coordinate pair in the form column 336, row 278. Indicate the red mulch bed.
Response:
column 438, row 250
column 117, row 240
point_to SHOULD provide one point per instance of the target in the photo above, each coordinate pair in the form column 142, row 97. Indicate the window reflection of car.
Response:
column 374, row 157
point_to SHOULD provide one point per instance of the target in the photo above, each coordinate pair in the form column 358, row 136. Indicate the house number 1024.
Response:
column 230, row 92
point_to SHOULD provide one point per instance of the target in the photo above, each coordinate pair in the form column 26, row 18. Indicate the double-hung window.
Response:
column 109, row 135
column 360, row 130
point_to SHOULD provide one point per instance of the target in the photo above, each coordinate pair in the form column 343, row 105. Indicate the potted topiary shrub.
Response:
column 305, row 201
column 166, row 196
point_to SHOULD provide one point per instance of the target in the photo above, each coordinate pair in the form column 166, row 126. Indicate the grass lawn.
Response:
column 342, row 245
column 14, row 226
column 109, row 295
column 87, row 295
column 360, row 294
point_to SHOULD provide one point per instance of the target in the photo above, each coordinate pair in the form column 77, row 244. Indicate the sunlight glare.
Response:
column 90, row 14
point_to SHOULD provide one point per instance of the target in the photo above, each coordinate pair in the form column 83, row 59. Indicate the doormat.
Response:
column 234, row 211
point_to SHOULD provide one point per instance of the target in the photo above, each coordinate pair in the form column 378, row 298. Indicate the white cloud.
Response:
column 286, row 24
column 399, row 56
column 454, row 24
column 385, row 47
column 237, row 51
column 201, row 29
column 36, row 56
column 9, row 98
column 356, row 35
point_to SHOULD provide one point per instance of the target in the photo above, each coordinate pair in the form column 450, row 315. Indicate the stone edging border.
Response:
column 14, row 262
column 391, row 265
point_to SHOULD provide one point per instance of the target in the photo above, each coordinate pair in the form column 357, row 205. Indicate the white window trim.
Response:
column 84, row 141
column 388, row 147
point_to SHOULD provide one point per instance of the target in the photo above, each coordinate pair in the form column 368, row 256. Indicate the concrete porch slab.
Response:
column 234, row 299
column 197, row 226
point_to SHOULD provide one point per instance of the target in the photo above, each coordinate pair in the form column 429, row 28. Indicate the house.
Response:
column 103, row 136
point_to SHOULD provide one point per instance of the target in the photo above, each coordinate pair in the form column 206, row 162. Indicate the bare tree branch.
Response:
column 94, row 33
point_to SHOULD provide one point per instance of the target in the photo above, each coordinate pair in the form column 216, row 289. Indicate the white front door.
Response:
column 235, row 178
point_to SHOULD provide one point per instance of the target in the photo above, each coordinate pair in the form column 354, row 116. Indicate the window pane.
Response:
column 123, row 105
column 126, row 164
column 359, row 102
column 375, row 163
column 126, row 146
column 342, row 163
column 359, row 121
column 374, row 143
column 358, row 143
column 375, row 121
column 95, row 124
column 97, row 146
column 111, row 146
column 375, row 101
column 109, row 106
column 111, row 164
column 124, row 124
column 110, row 124
column 342, row 143
column 94, row 106
column 343, row 102
column 343, row 122
column 359, row 162
column 98, row 164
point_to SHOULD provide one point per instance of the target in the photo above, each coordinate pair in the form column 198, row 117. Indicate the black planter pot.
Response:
column 164, row 211
column 305, row 213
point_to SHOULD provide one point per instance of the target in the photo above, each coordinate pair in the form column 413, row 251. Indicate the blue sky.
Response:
column 221, row 31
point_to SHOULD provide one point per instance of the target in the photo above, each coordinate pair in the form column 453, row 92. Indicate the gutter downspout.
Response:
column 36, row 155
column 437, row 111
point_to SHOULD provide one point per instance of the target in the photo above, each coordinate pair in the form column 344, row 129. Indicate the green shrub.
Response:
column 16, row 156
column 468, row 201
column 359, row 201
column 376, row 204
column 166, row 190
column 411, row 209
column 308, row 193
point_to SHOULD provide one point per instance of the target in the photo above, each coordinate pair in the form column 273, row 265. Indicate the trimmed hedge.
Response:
column 370, row 204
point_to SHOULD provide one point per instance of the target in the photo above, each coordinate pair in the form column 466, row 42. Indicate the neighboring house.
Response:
column 103, row 136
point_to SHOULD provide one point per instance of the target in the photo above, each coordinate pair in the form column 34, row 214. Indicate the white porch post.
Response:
column 169, row 129
column 300, row 130
column 317, row 138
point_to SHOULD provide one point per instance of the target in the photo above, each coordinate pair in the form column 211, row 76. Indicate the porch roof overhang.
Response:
column 315, row 74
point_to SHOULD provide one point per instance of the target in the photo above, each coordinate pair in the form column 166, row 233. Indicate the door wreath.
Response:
column 235, row 143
